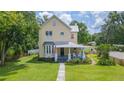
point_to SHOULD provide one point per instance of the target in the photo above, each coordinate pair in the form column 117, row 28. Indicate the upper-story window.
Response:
column 48, row 33
column 72, row 36
column 62, row 33
column 54, row 23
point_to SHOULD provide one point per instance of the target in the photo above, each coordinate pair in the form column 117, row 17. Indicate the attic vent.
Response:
column 54, row 23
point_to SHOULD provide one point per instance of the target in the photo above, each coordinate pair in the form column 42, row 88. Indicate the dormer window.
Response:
column 54, row 23
column 48, row 33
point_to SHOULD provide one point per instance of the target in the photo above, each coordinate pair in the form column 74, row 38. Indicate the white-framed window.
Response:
column 48, row 49
column 48, row 33
column 61, row 33
column 44, row 49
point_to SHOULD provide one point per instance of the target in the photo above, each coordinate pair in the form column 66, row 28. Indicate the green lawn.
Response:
column 28, row 68
column 94, row 72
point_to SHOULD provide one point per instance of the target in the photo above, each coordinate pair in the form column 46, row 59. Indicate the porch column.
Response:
column 56, row 56
column 83, row 54
column 45, row 52
column 51, row 50
column 69, row 54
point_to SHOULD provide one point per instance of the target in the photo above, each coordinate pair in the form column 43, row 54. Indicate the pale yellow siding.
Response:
column 74, row 40
column 56, row 36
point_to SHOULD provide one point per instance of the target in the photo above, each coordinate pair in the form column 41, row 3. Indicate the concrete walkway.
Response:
column 93, row 62
column 61, row 72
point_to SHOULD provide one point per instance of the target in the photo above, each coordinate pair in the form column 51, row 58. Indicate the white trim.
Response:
column 69, row 54
column 45, row 50
column 56, row 55
column 70, row 45
column 51, row 49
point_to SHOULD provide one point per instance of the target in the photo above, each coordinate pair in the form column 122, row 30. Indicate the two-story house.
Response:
column 58, row 41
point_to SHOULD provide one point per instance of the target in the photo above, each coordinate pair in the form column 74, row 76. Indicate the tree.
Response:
column 83, row 34
column 113, row 29
column 43, row 19
column 17, row 30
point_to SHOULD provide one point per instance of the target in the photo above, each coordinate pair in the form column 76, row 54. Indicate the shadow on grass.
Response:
column 10, row 68
column 72, row 64
column 36, row 61
column 2, row 79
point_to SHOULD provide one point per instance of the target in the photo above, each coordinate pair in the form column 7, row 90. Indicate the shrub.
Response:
column 51, row 60
column 74, row 61
column 87, row 60
column 10, row 52
column 119, row 48
column 106, row 62
column 79, row 61
column 103, row 50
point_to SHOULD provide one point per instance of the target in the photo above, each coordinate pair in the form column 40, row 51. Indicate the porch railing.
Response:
column 65, row 58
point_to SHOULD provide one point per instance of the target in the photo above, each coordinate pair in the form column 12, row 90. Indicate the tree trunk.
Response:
column 2, row 62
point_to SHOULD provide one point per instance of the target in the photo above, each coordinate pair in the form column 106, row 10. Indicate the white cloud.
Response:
column 41, row 14
column 58, row 13
column 66, row 18
column 92, row 31
column 83, row 21
column 98, row 22
column 83, row 12
column 47, row 14
column 96, row 12
column 87, row 16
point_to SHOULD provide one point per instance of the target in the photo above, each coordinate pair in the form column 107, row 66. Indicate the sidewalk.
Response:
column 61, row 72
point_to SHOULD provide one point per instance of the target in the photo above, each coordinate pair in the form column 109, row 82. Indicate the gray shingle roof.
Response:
column 61, row 42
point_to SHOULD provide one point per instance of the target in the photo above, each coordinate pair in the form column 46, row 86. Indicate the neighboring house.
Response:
column 93, row 43
column 58, row 41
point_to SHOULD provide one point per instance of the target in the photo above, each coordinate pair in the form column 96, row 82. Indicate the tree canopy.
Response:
column 112, row 32
column 18, row 30
column 83, row 35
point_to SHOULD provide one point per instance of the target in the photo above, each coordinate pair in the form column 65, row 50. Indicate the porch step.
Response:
column 62, row 59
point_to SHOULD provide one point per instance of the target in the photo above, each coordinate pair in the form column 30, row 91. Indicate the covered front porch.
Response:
column 66, row 52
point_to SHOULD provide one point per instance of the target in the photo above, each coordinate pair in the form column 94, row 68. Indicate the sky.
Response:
column 92, row 19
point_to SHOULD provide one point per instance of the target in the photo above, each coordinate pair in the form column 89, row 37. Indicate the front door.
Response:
column 62, row 51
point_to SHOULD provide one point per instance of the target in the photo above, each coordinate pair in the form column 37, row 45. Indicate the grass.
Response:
column 94, row 73
column 29, row 69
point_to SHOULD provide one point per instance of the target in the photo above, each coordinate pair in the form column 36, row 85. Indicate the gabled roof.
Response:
column 57, row 19
column 71, row 28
